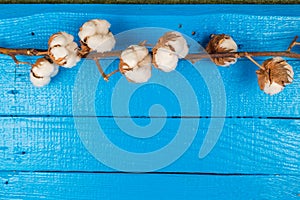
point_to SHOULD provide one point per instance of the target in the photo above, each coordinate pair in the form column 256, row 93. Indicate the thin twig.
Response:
column 252, row 60
column 19, row 62
column 293, row 43
column 101, row 70
column 112, row 73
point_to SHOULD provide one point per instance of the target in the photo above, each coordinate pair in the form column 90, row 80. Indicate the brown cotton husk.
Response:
column 121, row 66
column 273, row 71
column 214, row 46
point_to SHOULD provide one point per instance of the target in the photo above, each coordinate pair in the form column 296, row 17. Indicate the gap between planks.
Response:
column 147, row 173
column 149, row 117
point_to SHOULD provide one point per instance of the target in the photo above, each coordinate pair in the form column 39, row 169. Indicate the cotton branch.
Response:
column 39, row 52
column 192, row 57
column 27, row 52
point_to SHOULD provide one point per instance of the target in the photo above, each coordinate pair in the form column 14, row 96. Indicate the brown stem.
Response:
column 112, row 73
column 26, row 52
column 192, row 56
column 101, row 70
column 252, row 60
column 293, row 43
column 19, row 62
column 102, row 55
column 242, row 54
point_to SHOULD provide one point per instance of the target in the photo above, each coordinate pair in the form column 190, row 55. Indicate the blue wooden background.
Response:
column 257, row 155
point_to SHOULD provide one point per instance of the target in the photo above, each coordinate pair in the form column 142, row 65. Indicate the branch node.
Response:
column 17, row 61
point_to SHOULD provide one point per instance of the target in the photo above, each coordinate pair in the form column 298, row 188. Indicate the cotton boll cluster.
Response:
column 96, row 36
column 274, row 75
column 63, row 50
column 135, row 64
column 222, row 43
column 42, row 72
column 169, row 48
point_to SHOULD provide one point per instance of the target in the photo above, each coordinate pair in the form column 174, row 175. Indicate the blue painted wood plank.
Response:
column 245, row 23
column 243, row 96
column 267, row 146
column 145, row 186
column 239, row 81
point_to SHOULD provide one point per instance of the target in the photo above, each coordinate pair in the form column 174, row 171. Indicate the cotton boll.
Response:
column 88, row 29
column 55, row 71
column 101, row 43
column 222, row 43
column 289, row 69
column 102, row 26
column 94, row 41
column 140, row 73
column 165, row 59
column 169, row 48
column 273, row 88
column 60, row 39
column 229, row 44
column 63, row 53
column 95, row 36
column 84, row 33
column 43, row 68
column 71, row 61
column 140, row 51
column 58, row 55
column 129, row 58
column 184, row 51
column 274, row 75
column 73, row 47
column 134, row 54
column 290, row 74
column 135, row 64
column 68, row 36
column 228, row 62
column 178, row 44
column 57, row 40
column 39, row 81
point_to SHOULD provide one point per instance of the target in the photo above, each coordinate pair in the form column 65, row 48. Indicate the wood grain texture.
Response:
column 243, row 96
column 247, row 27
column 155, row 1
column 145, row 186
column 254, row 146
column 256, row 157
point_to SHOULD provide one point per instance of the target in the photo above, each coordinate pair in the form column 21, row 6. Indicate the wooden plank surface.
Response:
column 240, row 84
column 248, row 146
column 145, row 186
column 42, row 155
column 243, row 96
column 155, row 1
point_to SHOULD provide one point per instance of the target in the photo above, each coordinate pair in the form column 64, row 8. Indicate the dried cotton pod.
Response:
column 222, row 43
column 169, row 48
column 63, row 50
column 42, row 71
column 274, row 75
column 135, row 64
column 95, row 35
